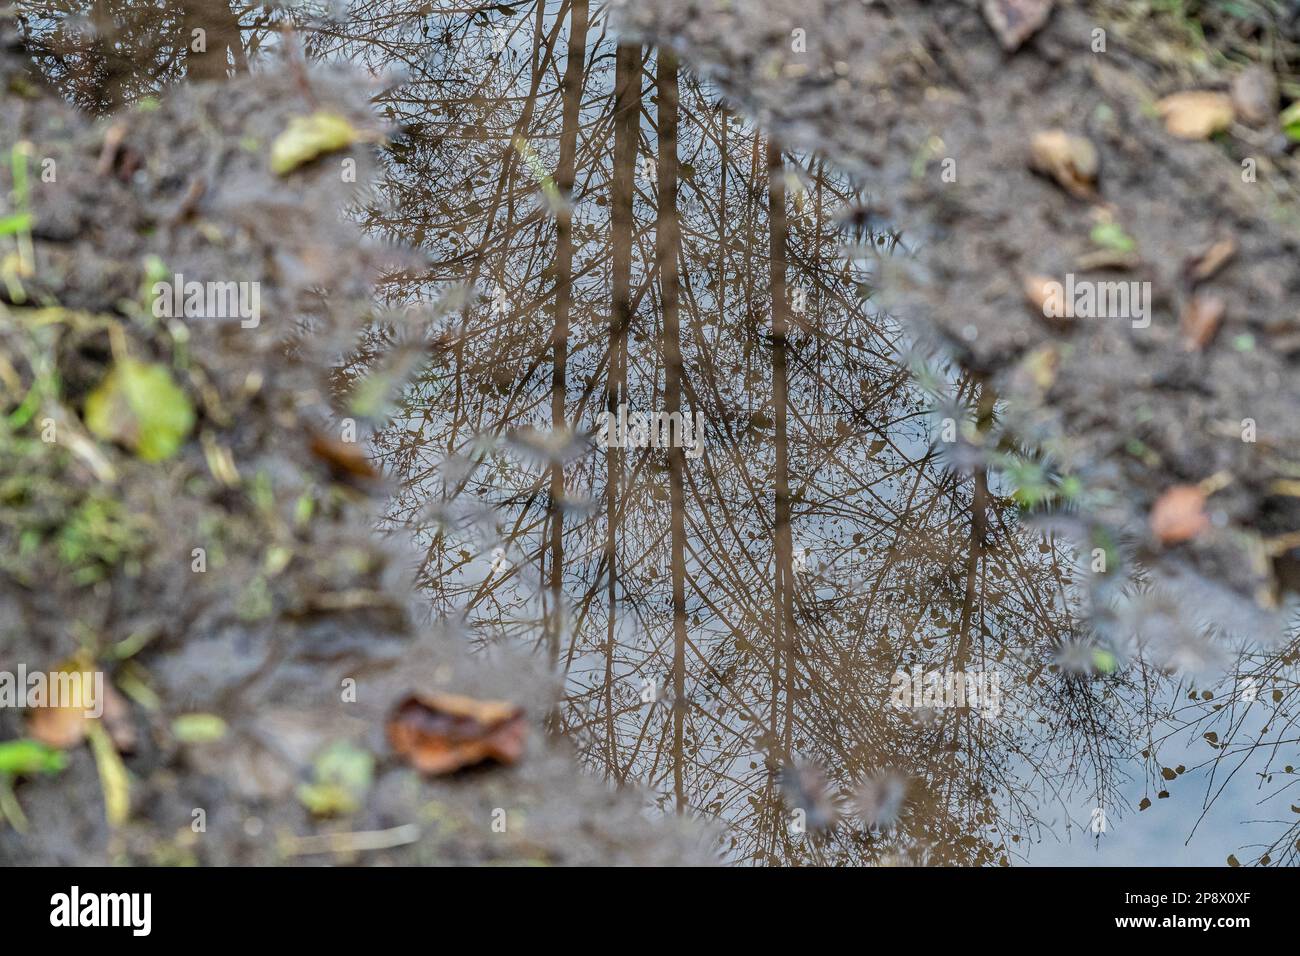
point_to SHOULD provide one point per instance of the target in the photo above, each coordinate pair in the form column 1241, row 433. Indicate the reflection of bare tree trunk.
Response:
column 564, row 174
column 783, row 623
column 627, row 115
column 667, row 253
column 117, row 65
column 222, row 41
column 978, row 525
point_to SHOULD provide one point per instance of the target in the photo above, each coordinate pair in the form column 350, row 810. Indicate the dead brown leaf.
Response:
column 113, row 137
column 118, row 722
column 61, row 727
column 1209, row 262
column 346, row 460
column 1070, row 160
column 441, row 733
column 1015, row 21
column 1202, row 315
column 1196, row 114
column 64, row 726
column 1179, row 514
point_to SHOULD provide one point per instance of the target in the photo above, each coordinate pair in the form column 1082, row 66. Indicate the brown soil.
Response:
column 299, row 593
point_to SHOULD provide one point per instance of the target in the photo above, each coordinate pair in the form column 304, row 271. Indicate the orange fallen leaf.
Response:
column 1179, row 514
column 1196, row 114
column 441, row 733
column 345, row 459
column 1201, row 318
column 59, row 727
column 63, row 726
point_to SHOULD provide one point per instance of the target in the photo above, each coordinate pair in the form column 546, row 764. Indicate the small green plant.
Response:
column 343, row 774
column 21, row 263
column 1037, row 485
column 97, row 537
column 1111, row 235
column 1104, row 661
column 24, row 758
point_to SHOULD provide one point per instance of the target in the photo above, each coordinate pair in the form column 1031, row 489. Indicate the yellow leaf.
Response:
column 141, row 406
column 113, row 779
column 308, row 137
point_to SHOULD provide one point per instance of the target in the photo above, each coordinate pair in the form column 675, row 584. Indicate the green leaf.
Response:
column 370, row 395
column 302, row 510
column 1071, row 487
column 344, row 773
column 198, row 728
column 308, row 137
column 327, row 799
column 29, row 757
column 1104, row 661
column 346, row 765
column 1290, row 121
column 1111, row 235
column 140, row 406
column 22, row 222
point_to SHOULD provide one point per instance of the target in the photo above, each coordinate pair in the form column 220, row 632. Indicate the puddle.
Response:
column 677, row 450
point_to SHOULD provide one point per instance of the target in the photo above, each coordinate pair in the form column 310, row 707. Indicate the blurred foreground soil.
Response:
column 250, row 682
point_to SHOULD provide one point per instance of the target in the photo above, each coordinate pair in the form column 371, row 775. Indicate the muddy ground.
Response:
column 901, row 92
column 299, row 633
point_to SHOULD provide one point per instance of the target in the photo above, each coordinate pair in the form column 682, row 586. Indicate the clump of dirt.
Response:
column 254, row 629
column 1108, row 413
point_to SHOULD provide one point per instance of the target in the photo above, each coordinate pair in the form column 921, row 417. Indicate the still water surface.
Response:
column 749, row 621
